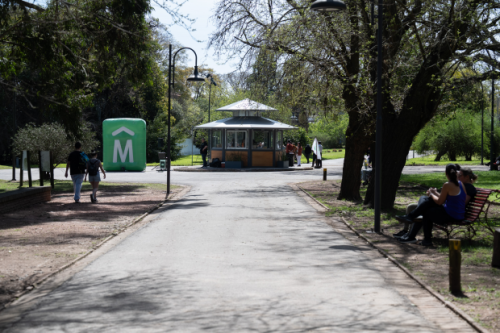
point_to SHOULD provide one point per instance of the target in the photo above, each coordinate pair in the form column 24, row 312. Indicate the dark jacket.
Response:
column 307, row 150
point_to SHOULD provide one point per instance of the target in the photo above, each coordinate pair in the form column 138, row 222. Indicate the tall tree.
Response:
column 424, row 44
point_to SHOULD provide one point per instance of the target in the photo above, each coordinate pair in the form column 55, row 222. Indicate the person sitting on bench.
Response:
column 467, row 177
column 443, row 208
column 496, row 163
column 425, row 200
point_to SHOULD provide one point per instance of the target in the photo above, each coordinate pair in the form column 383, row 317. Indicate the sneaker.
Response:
column 400, row 234
column 425, row 243
column 408, row 240
column 403, row 218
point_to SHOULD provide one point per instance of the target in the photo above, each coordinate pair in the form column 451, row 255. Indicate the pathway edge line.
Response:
column 37, row 284
column 446, row 303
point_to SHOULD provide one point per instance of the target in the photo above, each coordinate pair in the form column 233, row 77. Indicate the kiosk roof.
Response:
column 246, row 123
column 246, row 105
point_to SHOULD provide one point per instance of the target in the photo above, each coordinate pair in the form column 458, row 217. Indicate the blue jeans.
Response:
column 204, row 157
column 77, row 184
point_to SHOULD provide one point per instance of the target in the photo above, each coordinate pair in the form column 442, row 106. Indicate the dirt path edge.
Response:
column 38, row 283
column 446, row 303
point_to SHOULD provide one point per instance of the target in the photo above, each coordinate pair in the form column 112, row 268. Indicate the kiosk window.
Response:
column 262, row 139
column 236, row 139
column 216, row 139
column 279, row 140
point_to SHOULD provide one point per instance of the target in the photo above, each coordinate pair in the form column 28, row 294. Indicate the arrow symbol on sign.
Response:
column 123, row 129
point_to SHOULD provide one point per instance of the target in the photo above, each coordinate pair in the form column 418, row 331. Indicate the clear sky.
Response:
column 201, row 10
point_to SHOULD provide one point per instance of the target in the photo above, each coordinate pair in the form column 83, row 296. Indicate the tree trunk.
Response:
column 357, row 143
column 395, row 146
column 438, row 156
column 356, row 147
column 452, row 156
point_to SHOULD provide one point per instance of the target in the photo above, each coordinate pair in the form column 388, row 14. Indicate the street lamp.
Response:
column 212, row 82
column 492, row 156
column 335, row 5
column 482, row 123
column 195, row 77
column 328, row 5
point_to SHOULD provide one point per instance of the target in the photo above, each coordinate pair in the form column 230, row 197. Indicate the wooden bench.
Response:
column 476, row 206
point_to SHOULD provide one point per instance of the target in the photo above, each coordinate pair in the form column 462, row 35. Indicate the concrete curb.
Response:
column 446, row 303
column 241, row 170
column 114, row 234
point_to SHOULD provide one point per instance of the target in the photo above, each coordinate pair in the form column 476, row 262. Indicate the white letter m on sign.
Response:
column 123, row 154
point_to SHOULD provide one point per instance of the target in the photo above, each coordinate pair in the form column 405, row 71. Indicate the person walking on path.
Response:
column 93, row 166
column 299, row 154
column 307, row 152
column 289, row 152
column 203, row 152
column 76, row 168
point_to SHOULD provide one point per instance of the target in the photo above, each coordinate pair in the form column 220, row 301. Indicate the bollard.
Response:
column 495, row 262
column 324, row 173
column 455, row 263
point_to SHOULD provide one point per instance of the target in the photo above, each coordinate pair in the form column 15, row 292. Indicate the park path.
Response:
column 238, row 255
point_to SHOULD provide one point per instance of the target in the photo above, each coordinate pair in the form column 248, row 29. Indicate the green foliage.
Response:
column 158, row 129
column 458, row 134
column 298, row 135
column 331, row 132
column 61, row 53
column 431, row 160
column 485, row 179
column 52, row 137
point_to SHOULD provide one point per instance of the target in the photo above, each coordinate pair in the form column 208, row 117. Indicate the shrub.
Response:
column 52, row 137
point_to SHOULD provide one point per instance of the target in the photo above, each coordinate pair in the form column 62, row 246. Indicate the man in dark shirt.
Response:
column 203, row 151
column 289, row 152
column 307, row 152
column 77, row 172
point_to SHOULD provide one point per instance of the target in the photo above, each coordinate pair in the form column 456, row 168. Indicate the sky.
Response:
column 200, row 10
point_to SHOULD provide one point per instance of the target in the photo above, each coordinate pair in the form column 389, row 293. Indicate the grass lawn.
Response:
column 183, row 161
column 329, row 154
column 61, row 186
column 485, row 179
column 429, row 160
column 4, row 167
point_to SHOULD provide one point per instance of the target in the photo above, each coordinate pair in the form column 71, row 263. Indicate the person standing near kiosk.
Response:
column 290, row 153
column 203, row 151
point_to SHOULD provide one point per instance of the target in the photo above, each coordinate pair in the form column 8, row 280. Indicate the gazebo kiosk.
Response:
column 247, row 136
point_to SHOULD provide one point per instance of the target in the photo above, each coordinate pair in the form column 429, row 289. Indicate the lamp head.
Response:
column 195, row 77
column 328, row 5
column 209, row 76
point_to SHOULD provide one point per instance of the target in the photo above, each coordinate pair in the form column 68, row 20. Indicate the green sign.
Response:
column 124, row 144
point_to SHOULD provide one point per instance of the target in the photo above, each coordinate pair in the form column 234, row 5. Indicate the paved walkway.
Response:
column 239, row 253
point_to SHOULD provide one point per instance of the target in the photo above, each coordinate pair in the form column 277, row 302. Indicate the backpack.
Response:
column 93, row 169
column 215, row 163
column 84, row 159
